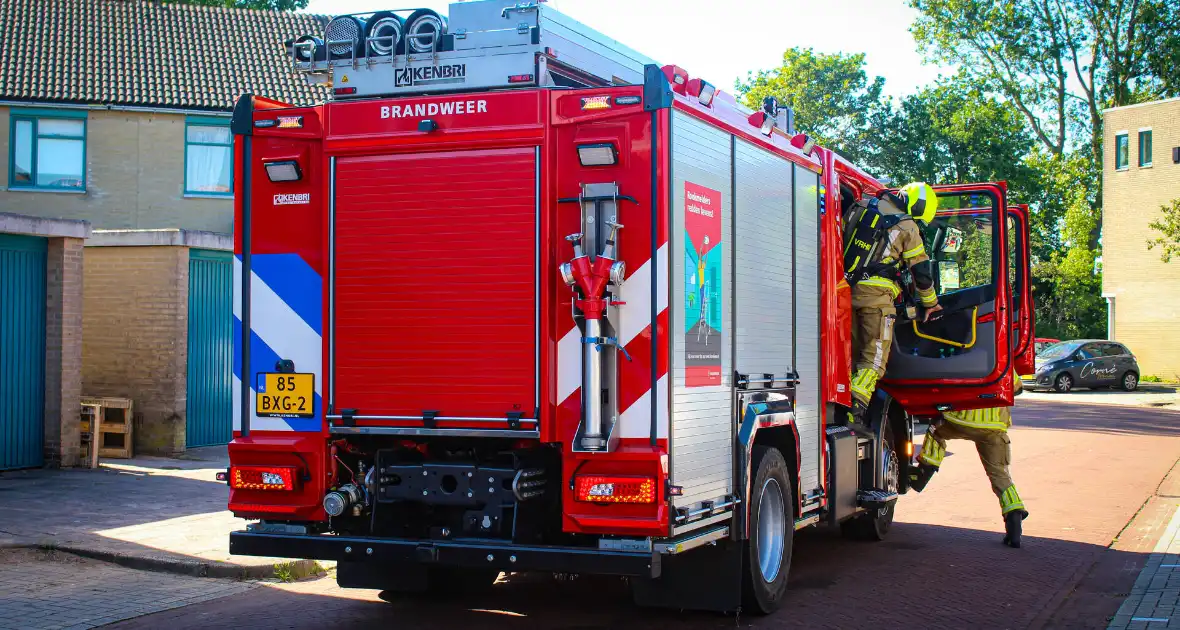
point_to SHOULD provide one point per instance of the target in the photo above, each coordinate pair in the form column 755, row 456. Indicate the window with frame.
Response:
column 1121, row 151
column 47, row 151
column 1145, row 147
column 208, row 157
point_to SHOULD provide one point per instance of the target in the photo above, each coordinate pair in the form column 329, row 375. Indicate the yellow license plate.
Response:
column 285, row 395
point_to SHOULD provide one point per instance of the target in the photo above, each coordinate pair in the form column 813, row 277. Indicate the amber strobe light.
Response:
column 614, row 489
column 262, row 478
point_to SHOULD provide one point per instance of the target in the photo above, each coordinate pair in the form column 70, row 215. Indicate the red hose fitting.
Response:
column 592, row 278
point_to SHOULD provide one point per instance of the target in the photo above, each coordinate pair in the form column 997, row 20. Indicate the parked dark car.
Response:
column 1092, row 363
column 1044, row 342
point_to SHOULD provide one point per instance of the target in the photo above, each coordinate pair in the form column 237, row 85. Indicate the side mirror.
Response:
column 949, row 275
column 953, row 241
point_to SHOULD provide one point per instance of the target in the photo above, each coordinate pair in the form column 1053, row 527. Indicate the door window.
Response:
column 1089, row 351
column 1113, row 350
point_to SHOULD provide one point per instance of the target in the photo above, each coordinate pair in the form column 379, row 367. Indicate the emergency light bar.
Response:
column 703, row 90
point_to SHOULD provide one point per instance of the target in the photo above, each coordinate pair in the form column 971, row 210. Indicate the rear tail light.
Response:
column 614, row 489
column 262, row 478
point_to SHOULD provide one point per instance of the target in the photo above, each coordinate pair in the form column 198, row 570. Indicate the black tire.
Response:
column 1063, row 384
column 1129, row 382
column 762, row 555
column 874, row 526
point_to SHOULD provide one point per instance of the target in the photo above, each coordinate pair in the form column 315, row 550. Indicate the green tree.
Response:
column 831, row 94
column 1168, row 227
column 948, row 134
column 1055, row 59
column 266, row 5
column 1066, row 283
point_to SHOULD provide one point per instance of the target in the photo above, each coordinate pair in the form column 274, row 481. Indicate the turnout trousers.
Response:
column 995, row 452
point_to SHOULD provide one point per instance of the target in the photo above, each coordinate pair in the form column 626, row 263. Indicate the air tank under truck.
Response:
column 518, row 298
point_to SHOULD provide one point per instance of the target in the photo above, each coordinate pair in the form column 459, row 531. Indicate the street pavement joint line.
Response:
column 1151, row 619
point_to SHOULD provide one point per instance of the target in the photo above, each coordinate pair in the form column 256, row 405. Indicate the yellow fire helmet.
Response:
column 920, row 200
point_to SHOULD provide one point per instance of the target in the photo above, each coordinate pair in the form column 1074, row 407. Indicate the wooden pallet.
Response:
column 114, row 430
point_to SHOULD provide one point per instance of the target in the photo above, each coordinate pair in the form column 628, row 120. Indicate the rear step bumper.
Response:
column 458, row 553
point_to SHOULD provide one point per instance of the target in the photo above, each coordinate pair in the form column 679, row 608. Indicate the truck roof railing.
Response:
column 483, row 45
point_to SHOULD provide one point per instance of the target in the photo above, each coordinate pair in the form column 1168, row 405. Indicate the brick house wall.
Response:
column 134, row 177
column 1145, row 290
column 63, row 351
column 135, row 338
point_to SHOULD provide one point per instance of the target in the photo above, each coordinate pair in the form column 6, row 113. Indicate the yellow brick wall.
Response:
column 134, row 178
column 135, row 337
column 1147, row 290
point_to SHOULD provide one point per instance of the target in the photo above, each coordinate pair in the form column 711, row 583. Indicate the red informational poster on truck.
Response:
column 702, row 291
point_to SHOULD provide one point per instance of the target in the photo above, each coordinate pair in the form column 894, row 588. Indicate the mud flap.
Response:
column 706, row 578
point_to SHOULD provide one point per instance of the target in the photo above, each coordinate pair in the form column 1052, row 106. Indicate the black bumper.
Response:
column 456, row 553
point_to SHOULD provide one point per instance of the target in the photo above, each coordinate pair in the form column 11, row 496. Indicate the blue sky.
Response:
column 721, row 41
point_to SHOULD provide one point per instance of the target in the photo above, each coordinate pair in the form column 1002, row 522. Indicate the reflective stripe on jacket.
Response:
column 994, row 418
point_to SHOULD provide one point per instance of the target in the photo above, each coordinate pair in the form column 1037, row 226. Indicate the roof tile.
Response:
column 149, row 53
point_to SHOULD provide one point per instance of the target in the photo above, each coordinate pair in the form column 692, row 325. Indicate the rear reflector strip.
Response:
column 614, row 489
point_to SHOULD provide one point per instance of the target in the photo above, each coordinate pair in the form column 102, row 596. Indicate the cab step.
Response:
column 875, row 499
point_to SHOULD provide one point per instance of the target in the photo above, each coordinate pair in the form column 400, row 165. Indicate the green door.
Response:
column 22, row 350
column 210, row 348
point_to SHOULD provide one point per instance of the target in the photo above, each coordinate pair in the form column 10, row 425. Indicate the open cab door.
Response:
column 1020, row 276
column 965, row 358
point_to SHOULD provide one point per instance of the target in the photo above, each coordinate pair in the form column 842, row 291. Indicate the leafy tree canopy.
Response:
column 831, row 94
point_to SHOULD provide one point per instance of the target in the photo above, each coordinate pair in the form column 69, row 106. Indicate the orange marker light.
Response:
column 595, row 102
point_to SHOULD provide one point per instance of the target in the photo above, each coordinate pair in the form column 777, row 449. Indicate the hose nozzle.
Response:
column 608, row 249
column 576, row 241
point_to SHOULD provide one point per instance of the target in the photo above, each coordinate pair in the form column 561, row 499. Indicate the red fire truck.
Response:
column 517, row 298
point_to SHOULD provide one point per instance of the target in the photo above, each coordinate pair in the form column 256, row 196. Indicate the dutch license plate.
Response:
column 285, row 395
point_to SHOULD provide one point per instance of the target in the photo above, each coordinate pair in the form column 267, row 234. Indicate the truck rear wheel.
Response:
column 875, row 525
column 767, row 556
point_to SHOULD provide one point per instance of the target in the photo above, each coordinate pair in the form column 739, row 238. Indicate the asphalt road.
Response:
column 1084, row 472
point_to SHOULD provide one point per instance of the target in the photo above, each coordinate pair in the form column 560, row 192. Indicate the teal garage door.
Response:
column 22, row 350
column 210, row 348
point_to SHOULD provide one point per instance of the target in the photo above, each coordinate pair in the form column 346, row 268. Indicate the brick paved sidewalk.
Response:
column 40, row 590
column 148, row 513
column 1154, row 601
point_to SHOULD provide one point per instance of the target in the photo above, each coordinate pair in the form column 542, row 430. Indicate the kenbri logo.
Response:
column 430, row 75
column 292, row 198
column 434, row 109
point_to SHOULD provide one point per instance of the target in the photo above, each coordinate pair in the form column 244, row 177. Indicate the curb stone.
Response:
column 299, row 569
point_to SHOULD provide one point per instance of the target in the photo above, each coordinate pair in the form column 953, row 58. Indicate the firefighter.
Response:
column 988, row 428
column 882, row 237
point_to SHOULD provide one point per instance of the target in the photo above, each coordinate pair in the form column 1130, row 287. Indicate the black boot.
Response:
column 1013, row 526
column 921, row 476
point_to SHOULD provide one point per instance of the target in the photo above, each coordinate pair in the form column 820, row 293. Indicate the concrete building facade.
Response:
column 1141, row 173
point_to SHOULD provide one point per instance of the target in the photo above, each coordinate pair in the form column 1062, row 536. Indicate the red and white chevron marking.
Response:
column 635, row 330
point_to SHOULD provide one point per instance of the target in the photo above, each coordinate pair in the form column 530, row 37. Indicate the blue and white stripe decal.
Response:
column 286, row 301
